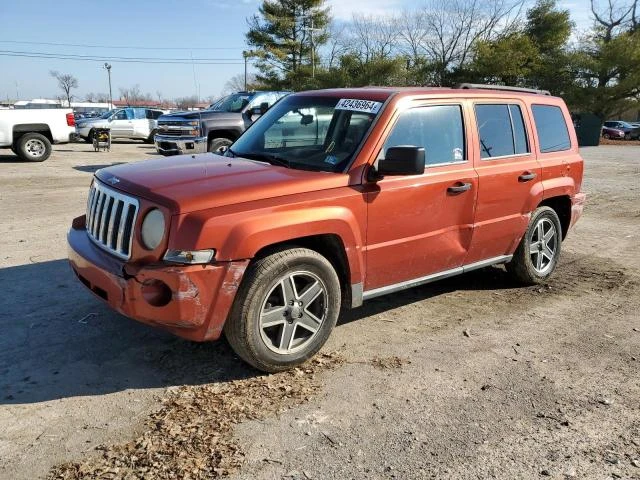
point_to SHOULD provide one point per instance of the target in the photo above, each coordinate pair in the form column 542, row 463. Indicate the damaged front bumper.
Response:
column 191, row 301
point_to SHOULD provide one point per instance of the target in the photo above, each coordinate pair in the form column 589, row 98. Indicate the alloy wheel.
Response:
column 293, row 312
column 543, row 245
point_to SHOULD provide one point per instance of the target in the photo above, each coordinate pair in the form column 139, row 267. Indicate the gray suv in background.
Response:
column 217, row 126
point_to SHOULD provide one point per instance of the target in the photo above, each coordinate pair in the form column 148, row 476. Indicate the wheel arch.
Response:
column 561, row 204
column 24, row 128
column 222, row 133
column 330, row 246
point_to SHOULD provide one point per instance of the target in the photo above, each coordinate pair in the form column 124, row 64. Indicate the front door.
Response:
column 121, row 124
column 421, row 225
column 510, row 179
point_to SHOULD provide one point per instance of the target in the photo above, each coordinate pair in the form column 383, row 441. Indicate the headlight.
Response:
column 194, row 123
column 189, row 256
column 153, row 229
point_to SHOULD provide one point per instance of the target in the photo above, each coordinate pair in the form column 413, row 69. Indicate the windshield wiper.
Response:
column 267, row 157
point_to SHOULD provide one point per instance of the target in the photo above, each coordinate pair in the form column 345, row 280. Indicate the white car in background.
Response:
column 29, row 133
column 131, row 122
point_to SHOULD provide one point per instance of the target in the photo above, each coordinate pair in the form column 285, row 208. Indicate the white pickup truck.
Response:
column 29, row 133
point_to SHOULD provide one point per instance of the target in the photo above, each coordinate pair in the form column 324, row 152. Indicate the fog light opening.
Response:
column 156, row 293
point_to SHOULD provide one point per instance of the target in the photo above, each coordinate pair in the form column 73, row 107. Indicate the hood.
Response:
column 188, row 183
column 172, row 117
column 84, row 121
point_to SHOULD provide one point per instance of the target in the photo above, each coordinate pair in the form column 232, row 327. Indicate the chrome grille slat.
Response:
column 111, row 216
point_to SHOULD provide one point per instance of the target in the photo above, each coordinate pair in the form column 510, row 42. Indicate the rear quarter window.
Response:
column 553, row 134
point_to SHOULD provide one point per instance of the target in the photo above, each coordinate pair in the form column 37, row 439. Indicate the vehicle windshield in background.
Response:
column 308, row 133
column 232, row 103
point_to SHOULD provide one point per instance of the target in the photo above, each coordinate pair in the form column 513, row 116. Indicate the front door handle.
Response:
column 459, row 187
column 527, row 176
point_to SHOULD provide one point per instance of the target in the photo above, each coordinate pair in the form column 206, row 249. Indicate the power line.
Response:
column 129, row 47
column 95, row 58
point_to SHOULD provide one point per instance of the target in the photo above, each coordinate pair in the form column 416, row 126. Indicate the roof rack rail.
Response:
column 484, row 86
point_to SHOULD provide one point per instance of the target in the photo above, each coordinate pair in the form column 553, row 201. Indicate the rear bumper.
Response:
column 172, row 145
column 198, row 297
column 577, row 206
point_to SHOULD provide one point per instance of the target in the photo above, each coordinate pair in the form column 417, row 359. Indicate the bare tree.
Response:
column 337, row 44
column 133, row 95
column 614, row 17
column 186, row 103
column 159, row 95
column 373, row 37
column 236, row 83
column 455, row 26
column 66, row 82
column 412, row 33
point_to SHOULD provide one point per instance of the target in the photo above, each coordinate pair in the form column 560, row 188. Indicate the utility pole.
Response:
column 107, row 67
column 245, row 54
column 313, row 48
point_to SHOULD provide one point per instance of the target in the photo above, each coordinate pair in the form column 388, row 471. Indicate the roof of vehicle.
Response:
column 383, row 93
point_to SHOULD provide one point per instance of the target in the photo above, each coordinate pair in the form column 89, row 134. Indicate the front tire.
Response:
column 151, row 136
column 33, row 147
column 537, row 256
column 285, row 309
column 215, row 144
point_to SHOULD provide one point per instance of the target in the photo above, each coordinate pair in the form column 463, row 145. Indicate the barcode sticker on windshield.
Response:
column 358, row 105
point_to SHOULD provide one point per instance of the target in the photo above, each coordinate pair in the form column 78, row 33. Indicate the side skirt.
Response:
column 396, row 287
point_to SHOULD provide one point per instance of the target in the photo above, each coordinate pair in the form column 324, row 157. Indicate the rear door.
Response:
column 509, row 176
column 422, row 225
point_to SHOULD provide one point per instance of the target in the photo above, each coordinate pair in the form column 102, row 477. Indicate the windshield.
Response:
column 625, row 125
column 232, row 103
column 106, row 114
column 308, row 133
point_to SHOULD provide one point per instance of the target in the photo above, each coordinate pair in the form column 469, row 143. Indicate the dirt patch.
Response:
column 621, row 143
column 386, row 363
column 190, row 437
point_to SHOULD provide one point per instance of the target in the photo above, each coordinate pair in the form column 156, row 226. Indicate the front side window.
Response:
column 308, row 132
column 120, row 115
column 437, row 128
column 501, row 130
column 234, row 103
column 553, row 134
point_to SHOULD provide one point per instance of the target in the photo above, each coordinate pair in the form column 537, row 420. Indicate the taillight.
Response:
column 71, row 120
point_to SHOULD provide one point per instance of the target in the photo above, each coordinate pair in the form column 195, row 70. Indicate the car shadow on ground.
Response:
column 59, row 341
column 8, row 157
column 490, row 278
column 94, row 168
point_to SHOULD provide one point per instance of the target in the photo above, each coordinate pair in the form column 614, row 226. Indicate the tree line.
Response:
column 295, row 46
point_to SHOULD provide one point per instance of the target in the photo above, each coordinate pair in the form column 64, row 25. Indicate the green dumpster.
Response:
column 588, row 129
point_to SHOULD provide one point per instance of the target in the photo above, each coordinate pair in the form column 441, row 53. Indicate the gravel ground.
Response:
column 467, row 378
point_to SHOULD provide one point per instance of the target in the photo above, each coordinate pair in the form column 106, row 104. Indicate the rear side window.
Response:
column 502, row 131
column 438, row 129
column 553, row 134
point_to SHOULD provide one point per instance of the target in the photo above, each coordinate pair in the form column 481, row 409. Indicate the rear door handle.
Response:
column 527, row 176
column 459, row 187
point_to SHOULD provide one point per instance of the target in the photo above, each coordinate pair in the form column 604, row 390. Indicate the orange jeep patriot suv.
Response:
column 331, row 198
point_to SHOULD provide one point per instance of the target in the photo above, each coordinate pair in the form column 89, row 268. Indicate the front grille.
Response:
column 175, row 133
column 111, row 216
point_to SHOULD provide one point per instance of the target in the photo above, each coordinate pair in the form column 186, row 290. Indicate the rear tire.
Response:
column 285, row 309
column 216, row 143
column 537, row 255
column 33, row 147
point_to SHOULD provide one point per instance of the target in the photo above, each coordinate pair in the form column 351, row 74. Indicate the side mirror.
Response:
column 403, row 160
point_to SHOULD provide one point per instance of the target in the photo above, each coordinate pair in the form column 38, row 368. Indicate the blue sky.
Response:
column 195, row 24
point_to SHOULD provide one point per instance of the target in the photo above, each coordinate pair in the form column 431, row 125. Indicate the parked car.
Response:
column 29, row 133
column 217, row 126
column 619, row 129
column 330, row 199
column 133, row 123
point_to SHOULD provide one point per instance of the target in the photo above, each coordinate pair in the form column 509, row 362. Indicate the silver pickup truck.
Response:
column 217, row 126
column 29, row 133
